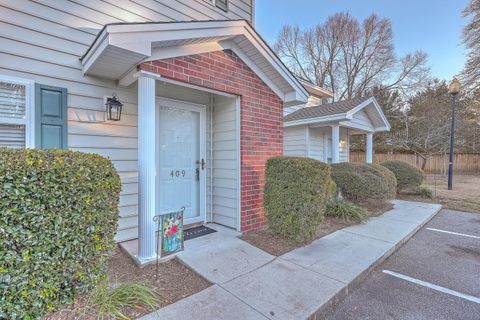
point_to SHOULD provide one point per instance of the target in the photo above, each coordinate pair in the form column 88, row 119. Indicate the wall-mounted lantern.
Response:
column 113, row 108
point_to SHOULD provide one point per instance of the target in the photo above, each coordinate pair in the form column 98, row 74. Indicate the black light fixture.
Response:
column 113, row 108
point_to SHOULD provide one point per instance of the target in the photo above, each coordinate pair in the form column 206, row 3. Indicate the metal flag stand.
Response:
column 159, row 219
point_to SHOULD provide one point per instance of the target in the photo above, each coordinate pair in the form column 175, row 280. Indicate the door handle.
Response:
column 197, row 174
column 201, row 163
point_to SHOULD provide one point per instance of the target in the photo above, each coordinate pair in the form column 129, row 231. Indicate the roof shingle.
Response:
column 329, row 109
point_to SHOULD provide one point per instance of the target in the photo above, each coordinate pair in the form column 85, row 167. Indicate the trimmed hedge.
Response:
column 58, row 217
column 389, row 177
column 361, row 182
column 296, row 192
column 407, row 175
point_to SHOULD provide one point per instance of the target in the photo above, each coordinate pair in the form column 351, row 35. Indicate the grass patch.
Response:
column 107, row 301
column 346, row 211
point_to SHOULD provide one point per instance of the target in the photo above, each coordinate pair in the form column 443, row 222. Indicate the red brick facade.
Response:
column 261, row 129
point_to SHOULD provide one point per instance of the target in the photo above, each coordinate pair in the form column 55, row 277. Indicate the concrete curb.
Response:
column 325, row 271
column 328, row 307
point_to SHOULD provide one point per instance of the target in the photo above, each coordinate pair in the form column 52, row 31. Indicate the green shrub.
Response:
column 58, row 217
column 361, row 182
column 345, row 210
column 407, row 176
column 296, row 192
column 424, row 192
column 389, row 176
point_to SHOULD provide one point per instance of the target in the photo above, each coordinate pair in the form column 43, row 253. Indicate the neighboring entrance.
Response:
column 181, row 159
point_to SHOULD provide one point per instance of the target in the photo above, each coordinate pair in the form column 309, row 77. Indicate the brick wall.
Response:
column 261, row 129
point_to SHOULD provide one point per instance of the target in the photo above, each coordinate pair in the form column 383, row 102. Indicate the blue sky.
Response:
column 434, row 26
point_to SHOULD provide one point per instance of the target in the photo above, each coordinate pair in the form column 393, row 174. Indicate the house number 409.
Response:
column 177, row 173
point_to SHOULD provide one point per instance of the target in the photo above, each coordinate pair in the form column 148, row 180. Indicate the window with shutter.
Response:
column 222, row 4
column 16, row 112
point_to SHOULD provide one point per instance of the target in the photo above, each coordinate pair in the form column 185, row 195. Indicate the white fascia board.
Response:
column 185, row 50
column 176, row 34
column 382, row 115
column 348, row 124
column 316, row 90
column 169, row 26
column 359, row 107
column 232, row 46
column 314, row 121
column 89, row 60
column 382, row 129
column 274, row 61
column 139, row 37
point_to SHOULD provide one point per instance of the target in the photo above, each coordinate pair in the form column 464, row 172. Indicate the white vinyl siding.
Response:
column 43, row 40
column 317, row 144
column 362, row 121
column 225, row 153
column 295, row 141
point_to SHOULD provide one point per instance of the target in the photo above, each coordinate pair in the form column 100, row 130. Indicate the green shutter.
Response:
column 50, row 117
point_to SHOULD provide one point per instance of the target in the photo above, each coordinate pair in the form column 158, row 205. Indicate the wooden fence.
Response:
column 438, row 163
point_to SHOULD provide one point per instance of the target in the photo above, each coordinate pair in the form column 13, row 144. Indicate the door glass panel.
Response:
column 179, row 150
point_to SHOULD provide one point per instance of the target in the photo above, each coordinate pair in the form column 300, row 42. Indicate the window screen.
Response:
column 12, row 114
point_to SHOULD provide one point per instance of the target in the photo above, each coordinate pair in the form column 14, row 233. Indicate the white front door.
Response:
column 181, row 159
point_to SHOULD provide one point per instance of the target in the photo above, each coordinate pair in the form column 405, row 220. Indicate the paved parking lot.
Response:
column 435, row 275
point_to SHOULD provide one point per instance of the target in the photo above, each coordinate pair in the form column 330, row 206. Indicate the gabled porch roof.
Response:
column 342, row 113
column 120, row 47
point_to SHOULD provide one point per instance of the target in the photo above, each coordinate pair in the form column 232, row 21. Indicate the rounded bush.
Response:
column 296, row 192
column 361, row 182
column 58, row 217
column 389, row 177
column 407, row 175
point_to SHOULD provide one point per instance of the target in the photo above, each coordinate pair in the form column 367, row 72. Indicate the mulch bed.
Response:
column 175, row 282
column 278, row 245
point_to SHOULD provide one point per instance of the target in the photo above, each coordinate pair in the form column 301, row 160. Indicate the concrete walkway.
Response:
column 302, row 284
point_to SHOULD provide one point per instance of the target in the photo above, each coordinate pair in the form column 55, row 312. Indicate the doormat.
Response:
column 196, row 232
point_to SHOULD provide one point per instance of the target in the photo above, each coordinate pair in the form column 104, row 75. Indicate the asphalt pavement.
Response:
column 435, row 275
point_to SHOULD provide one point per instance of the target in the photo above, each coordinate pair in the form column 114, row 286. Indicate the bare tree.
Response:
column 423, row 127
column 350, row 57
column 471, row 37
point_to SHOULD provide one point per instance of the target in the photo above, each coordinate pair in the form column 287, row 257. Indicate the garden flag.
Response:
column 171, row 232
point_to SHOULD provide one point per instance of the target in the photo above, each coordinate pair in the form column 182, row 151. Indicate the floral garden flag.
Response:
column 172, row 233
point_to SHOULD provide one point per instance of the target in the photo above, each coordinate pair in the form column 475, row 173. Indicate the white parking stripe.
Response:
column 455, row 233
column 434, row 286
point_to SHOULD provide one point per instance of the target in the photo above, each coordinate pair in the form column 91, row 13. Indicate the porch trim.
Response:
column 315, row 120
column 239, row 162
column 134, row 43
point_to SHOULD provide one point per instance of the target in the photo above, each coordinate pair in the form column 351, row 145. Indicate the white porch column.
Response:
column 369, row 148
column 336, row 144
column 146, row 166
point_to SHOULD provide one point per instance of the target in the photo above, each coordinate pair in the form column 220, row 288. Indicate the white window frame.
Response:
column 214, row 3
column 29, row 121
